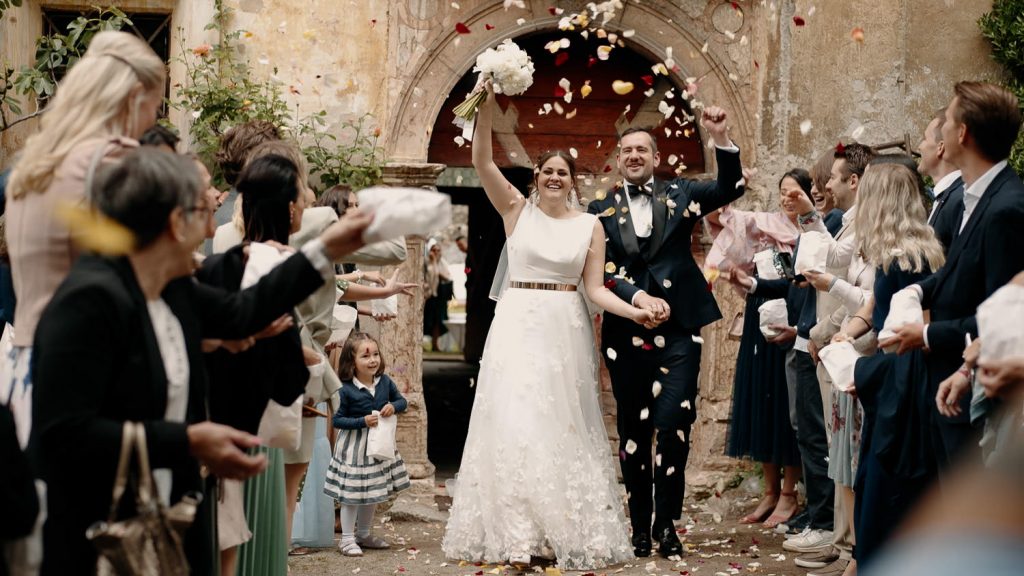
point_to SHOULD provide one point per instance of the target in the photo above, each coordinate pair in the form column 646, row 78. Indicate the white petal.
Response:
column 611, row 353
column 659, row 341
column 644, row 414
column 630, row 447
column 805, row 127
column 656, row 389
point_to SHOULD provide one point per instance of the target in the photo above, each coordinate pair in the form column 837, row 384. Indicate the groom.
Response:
column 654, row 372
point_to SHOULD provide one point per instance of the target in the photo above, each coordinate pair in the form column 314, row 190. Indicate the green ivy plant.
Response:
column 1003, row 27
column 55, row 53
column 221, row 91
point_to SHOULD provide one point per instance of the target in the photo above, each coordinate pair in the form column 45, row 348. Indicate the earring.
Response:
column 291, row 216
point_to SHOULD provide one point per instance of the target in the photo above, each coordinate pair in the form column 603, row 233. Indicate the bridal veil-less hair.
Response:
column 100, row 96
column 892, row 225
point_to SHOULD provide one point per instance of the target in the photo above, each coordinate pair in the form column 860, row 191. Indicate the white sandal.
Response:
column 349, row 548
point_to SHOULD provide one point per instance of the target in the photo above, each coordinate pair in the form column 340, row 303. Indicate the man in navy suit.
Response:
column 654, row 372
column 948, row 209
column 981, row 126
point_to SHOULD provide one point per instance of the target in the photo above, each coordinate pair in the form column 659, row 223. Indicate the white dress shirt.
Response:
column 974, row 192
column 640, row 210
column 941, row 187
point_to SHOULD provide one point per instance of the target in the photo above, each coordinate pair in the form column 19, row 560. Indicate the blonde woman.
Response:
column 101, row 107
column 891, row 450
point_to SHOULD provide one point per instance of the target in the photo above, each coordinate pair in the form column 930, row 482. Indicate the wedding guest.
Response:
column 120, row 341
column 235, row 146
column 948, row 193
column 982, row 123
column 104, row 103
column 836, row 302
column 274, row 368
column 357, row 480
column 438, row 289
column 760, row 426
column 894, row 465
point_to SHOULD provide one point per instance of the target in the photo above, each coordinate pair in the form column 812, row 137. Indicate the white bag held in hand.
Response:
column 385, row 306
column 904, row 308
column 840, row 359
column 404, row 211
column 813, row 252
column 773, row 312
column 343, row 324
column 999, row 323
column 380, row 442
column 764, row 263
column 281, row 426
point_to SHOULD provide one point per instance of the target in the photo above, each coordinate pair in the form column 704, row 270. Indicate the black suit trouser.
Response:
column 665, row 419
column 813, row 443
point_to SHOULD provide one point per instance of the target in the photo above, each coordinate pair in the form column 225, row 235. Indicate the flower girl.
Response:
column 358, row 481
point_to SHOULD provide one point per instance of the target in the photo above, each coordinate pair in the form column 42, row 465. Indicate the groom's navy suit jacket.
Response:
column 667, row 268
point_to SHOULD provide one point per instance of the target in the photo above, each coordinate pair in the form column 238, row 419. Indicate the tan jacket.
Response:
column 39, row 243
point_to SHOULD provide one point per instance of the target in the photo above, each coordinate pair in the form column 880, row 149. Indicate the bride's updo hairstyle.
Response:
column 573, row 198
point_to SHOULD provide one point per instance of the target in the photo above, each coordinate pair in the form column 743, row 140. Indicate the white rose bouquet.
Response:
column 510, row 69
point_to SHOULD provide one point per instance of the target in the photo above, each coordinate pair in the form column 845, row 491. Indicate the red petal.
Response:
column 562, row 58
column 735, row 6
column 553, row 10
column 609, row 283
column 756, row 65
column 373, row 22
column 462, row 28
column 559, row 91
column 840, row 148
column 467, row 270
column 488, row 27
column 607, row 168
column 798, row 21
column 591, row 61
column 648, row 346
column 648, row 79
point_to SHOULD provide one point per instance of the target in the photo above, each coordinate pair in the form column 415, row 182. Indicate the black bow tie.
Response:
column 633, row 190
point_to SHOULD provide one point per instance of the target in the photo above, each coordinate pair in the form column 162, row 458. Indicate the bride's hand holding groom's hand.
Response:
column 658, row 308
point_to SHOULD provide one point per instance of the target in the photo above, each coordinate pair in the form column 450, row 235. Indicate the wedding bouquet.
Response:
column 510, row 69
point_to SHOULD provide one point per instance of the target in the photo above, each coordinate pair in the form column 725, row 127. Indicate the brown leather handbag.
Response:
column 149, row 543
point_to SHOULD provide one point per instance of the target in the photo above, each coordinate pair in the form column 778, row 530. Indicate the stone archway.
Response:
column 709, row 44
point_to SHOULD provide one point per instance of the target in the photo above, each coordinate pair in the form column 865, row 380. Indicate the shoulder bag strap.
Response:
column 146, row 495
column 121, row 480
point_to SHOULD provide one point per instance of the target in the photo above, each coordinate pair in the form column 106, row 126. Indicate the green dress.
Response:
column 266, row 554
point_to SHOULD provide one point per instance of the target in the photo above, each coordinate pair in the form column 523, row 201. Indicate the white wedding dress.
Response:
column 537, row 471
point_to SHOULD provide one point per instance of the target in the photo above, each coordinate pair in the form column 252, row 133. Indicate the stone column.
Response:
column 402, row 338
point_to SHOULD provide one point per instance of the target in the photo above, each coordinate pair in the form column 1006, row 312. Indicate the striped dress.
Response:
column 352, row 476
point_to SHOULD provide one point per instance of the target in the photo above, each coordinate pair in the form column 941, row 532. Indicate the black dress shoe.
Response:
column 642, row 545
column 668, row 543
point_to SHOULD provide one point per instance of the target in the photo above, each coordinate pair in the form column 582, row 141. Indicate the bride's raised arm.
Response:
column 502, row 194
column 593, row 281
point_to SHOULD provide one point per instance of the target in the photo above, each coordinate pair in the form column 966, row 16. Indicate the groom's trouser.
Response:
column 643, row 414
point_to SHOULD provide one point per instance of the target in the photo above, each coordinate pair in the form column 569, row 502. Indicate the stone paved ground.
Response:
column 415, row 529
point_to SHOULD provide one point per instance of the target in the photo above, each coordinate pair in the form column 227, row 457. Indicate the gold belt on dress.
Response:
column 543, row 286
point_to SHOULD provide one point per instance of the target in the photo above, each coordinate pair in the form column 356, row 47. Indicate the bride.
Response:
column 536, row 477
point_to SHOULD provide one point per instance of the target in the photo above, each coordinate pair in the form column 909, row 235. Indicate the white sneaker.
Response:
column 811, row 541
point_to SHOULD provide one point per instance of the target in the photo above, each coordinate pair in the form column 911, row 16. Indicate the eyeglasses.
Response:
column 201, row 209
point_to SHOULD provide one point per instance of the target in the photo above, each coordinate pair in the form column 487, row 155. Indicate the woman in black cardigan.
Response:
column 100, row 361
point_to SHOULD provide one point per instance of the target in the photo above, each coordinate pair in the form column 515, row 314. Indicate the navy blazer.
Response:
column 667, row 268
column 356, row 403
column 947, row 217
column 982, row 258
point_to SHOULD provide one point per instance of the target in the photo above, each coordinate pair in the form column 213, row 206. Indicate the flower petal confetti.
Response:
column 638, row 341
column 461, row 28
column 655, row 388
column 799, row 21
column 622, row 88
column 659, row 341
column 603, row 52
column 611, row 353
column 585, row 90
column 644, row 413
column 630, row 447
column 694, row 208
column 857, row 34
column 858, row 132
column 666, row 283
column 805, row 127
